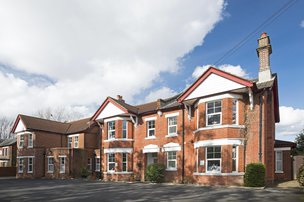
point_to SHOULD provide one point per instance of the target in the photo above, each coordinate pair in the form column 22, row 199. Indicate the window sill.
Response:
column 150, row 138
column 219, row 174
column 118, row 173
column 280, row 172
column 30, row 172
column 50, row 172
column 172, row 135
column 30, row 147
column 118, row 139
column 218, row 126
column 171, row 169
column 62, row 172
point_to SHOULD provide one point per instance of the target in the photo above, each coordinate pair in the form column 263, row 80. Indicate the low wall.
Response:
column 7, row 171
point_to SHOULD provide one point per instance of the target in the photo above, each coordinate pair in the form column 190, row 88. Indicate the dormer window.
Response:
column 214, row 113
column 111, row 130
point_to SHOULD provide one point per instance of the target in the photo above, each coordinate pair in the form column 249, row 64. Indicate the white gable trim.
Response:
column 24, row 133
column 20, row 127
column 171, row 147
column 223, row 141
column 118, row 150
column 151, row 148
column 219, row 97
column 213, row 84
column 109, row 110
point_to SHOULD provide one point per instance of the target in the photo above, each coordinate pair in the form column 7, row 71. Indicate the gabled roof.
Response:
column 39, row 124
column 8, row 142
column 125, row 108
column 217, row 72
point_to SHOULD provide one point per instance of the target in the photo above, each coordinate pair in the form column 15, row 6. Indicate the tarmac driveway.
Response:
column 81, row 190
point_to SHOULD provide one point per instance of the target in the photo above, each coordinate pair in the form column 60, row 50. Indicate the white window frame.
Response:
column 30, row 165
column 97, row 163
column 174, row 125
column 50, row 165
column 236, row 103
column 236, row 158
column 213, row 159
column 20, row 165
column 172, row 160
column 277, row 161
column 110, row 162
column 111, row 130
column 150, row 129
column 62, row 165
column 215, row 113
column 70, row 142
column 124, row 162
column 21, row 140
column 124, row 130
column 30, row 140
column 76, row 143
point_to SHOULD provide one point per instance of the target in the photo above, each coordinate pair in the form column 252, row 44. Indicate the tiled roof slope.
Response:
column 34, row 123
column 8, row 142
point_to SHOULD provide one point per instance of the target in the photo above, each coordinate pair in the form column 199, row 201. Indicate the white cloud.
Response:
column 291, row 123
column 233, row 69
column 162, row 93
column 95, row 49
column 302, row 24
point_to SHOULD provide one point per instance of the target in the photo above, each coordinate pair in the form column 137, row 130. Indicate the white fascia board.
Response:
column 21, row 157
column 223, row 141
column 118, row 150
column 282, row 149
column 172, row 114
column 150, row 118
column 62, row 156
column 24, row 133
column 219, row 97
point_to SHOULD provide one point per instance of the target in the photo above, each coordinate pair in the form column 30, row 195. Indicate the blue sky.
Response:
column 73, row 54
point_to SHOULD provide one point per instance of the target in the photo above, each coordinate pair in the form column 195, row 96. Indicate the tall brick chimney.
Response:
column 264, row 50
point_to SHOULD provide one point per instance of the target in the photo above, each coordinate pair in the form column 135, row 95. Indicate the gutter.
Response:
column 261, row 125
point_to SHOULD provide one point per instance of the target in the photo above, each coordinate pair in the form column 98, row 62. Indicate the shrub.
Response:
column 254, row 175
column 84, row 173
column 155, row 173
column 300, row 175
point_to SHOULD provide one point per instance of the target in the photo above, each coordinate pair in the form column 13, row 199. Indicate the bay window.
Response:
column 124, row 129
column 213, row 155
column 214, row 113
column 30, row 165
column 30, row 140
column 50, row 164
column 111, row 162
column 20, row 165
column 62, row 164
column 124, row 162
column 111, row 130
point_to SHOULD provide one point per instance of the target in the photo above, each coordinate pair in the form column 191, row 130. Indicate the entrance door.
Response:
column 152, row 158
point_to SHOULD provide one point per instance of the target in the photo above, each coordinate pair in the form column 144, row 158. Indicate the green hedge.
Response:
column 254, row 175
column 155, row 173
column 300, row 176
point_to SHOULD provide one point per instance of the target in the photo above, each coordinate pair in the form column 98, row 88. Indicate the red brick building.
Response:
column 8, row 153
column 206, row 134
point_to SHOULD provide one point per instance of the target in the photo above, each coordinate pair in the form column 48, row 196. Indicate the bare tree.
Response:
column 57, row 114
column 6, row 125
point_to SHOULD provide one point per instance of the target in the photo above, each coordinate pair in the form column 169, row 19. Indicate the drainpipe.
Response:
column 183, row 145
column 261, row 126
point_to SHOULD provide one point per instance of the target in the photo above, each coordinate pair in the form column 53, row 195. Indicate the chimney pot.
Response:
column 120, row 98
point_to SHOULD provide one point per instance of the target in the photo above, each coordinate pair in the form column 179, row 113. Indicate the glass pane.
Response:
column 172, row 129
column 233, row 164
column 217, row 104
column 217, row 149
column 210, row 105
column 151, row 133
column 213, row 165
column 171, row 164
column 111, row 166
